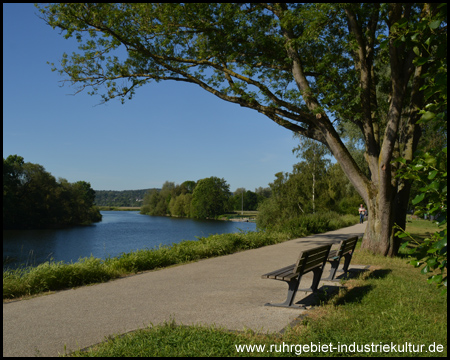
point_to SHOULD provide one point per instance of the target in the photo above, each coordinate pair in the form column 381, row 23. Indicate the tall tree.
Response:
column 210, row 198
column 313, row 154
column 308, row 67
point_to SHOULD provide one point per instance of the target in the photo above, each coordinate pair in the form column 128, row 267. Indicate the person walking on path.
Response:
column 362, row 213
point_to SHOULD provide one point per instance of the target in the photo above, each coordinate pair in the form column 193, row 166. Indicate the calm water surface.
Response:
column 118, row 232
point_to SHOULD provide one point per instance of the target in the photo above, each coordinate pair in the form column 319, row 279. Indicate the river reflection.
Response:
column 118, row 232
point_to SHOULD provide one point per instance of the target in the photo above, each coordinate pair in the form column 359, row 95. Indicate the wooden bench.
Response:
column 309, row 260
column 345, row 250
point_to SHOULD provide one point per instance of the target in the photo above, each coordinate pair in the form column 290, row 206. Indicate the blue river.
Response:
column 118, row 232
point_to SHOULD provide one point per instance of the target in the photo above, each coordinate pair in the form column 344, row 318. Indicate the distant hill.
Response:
column 119, row 198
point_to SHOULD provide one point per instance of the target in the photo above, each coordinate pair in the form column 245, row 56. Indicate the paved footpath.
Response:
column 226, row 291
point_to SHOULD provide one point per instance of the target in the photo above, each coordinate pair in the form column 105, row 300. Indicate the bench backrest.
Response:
column 310, row 259
column 347, row 246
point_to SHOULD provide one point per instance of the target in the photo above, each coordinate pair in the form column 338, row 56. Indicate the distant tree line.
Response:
column 206, row 198
column 33, row 198
column 119, row 198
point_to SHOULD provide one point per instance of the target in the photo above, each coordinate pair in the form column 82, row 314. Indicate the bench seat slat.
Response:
column 280, row 273
column 277, row 272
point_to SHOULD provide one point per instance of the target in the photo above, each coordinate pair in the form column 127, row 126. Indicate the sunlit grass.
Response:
column 420, row 228
column 389, row 304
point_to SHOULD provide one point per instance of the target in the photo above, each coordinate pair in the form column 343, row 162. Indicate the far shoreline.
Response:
column 119, row 208
column 138, row 208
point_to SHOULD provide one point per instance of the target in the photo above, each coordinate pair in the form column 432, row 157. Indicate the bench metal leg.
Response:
column 334, row 267
column 347, row 257
column 292, row 291
column 316, row 280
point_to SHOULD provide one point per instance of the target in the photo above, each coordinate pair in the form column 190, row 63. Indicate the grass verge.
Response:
column 389, row 310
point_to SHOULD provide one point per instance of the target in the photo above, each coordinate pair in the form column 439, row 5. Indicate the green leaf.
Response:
column 420, row 61
column 402, row 23
column 435, row 24
column 428, row 115
column 400, row 159
column 418, row 199
column 437, row 278
column 404, row 245
column 432, row 174
column 431, row 263
column 434, row 186
column 440, row 244
column 401, row 235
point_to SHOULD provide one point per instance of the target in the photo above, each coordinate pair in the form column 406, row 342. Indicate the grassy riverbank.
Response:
column 52, row 276
column 391, row 304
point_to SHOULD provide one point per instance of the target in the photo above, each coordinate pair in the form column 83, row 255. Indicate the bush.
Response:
column 304, row 225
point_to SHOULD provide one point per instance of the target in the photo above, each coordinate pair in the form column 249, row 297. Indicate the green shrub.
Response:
column 304, row 225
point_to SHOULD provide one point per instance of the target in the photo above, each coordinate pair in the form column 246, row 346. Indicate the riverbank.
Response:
column 244, row 216
column 52, row 276
column 119, row 208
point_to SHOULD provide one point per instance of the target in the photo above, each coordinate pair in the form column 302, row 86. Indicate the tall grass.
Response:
column 51, row 276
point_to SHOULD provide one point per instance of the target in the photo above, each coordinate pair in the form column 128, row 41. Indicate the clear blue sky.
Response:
column 168, row 131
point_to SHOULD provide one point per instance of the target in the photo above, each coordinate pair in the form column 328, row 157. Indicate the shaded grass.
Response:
column 390, row 303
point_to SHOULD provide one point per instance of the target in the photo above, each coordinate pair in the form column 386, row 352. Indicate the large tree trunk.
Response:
column 400, row 210
column 378, row 237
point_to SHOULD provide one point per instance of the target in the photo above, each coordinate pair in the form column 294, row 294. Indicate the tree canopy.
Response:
column 312, row 68
column 33, row 198
column 206, row 198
